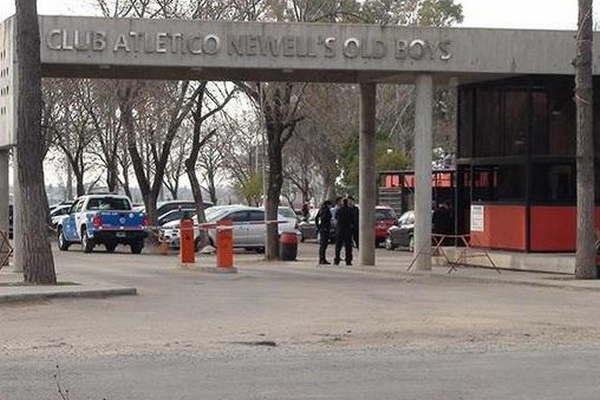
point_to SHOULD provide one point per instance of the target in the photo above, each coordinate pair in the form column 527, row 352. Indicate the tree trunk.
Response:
column 150, row 200
column 69, row 182
column 196, row 190
column 212, row 188
column 80, row 188
column 36, row 257
column 197, row 144
column 328, row 186
column 274, row 184
column 174, row 191
column 585, row 260
column 112, row 179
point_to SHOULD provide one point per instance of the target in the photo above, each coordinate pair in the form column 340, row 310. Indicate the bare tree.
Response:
column 175, row 168
column 585, row 260
column 99, row 99
column 212, row 160
column 159, row 112
column 35, row 256
column 279, row 105
column 73, row 128
column 207, row 105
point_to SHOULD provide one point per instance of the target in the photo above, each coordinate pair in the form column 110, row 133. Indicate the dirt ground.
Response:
column 292, row 305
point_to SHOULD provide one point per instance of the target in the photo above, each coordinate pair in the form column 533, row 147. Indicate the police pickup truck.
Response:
column 105, row 219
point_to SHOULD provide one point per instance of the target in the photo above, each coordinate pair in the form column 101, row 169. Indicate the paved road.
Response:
column 339, row 334
column 282, row 374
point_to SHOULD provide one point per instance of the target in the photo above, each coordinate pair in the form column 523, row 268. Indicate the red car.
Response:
column 385, row 218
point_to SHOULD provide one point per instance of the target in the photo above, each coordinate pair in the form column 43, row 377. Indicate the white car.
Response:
column 57, row 214
column 169, row 231
column 248, row 227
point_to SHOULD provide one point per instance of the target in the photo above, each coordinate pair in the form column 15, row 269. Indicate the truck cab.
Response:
column 105, row 219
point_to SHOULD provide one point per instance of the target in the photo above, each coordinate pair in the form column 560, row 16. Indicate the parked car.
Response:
column 385, row 218
column 56, row 215
column 62, row 203
column 164, row 207
column 288, row 213
column 402, row 235
column 102, row 219
column 308, row 228
column 176, row 215
column 170, row 230
column 248, row 226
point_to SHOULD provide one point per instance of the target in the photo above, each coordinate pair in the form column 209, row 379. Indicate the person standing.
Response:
column 355, row 221
column 323, row 224
column 343, row 232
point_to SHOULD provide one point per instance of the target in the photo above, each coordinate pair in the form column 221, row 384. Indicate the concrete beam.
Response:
column 423, row 170
column 367, row 174
column 4, row 197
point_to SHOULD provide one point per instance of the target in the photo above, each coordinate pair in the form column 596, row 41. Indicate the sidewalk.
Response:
column 13, row 289
column 485, row 275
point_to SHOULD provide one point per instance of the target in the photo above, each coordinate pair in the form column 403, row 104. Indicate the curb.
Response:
column 214, row 270
column 68, row 293
column 575, row 285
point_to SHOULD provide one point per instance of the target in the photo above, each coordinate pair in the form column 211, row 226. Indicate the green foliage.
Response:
column 251, row 189
column 412, row 12
column 439, row 13
column 388, row 158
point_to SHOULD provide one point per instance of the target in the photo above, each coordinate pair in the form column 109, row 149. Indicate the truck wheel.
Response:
column 110, row 247
column 86, row 244
column 63, row 244
column 137, row 246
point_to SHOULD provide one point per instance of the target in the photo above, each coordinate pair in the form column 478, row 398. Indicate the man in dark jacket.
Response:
column 323, row 224
column 343, row 232
column 355, row 212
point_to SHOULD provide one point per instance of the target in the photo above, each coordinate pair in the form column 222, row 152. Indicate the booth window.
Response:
column 553, row 183
column 489, row 123
column 516, row 122
column 562, row 117
column 499, row 183
column 465, row 137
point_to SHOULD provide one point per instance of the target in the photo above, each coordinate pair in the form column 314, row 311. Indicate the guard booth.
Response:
column 397, row 189
column 516, row 170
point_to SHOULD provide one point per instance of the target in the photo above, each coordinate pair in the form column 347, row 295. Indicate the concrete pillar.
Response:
column 4, row 197
column 367, row 174
column 423, row 170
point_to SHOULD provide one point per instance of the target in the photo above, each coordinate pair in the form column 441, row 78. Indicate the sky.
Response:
column 525, row 14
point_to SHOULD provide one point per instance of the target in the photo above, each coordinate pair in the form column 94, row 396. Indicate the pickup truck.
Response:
column 102, row 219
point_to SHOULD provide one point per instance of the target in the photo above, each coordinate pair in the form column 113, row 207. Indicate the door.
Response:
column 239, row 220
column 69, row 226
column 79, row 218
column 256, row 228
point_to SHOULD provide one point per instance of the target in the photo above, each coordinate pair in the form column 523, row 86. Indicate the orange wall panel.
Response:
column 553, row 228
column 504, row 228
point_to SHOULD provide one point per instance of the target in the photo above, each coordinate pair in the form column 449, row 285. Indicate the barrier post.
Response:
column 224, row 244
column 187, row 253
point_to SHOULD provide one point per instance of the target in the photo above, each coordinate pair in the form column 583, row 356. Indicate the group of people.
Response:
column 342, row 216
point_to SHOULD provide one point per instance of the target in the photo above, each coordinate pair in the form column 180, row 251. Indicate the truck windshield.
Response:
column 108, row 203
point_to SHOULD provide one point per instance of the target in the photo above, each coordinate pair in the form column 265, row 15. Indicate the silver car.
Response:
column 249, row 227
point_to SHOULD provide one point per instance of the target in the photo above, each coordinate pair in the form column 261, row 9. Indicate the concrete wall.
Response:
column 305, row 51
